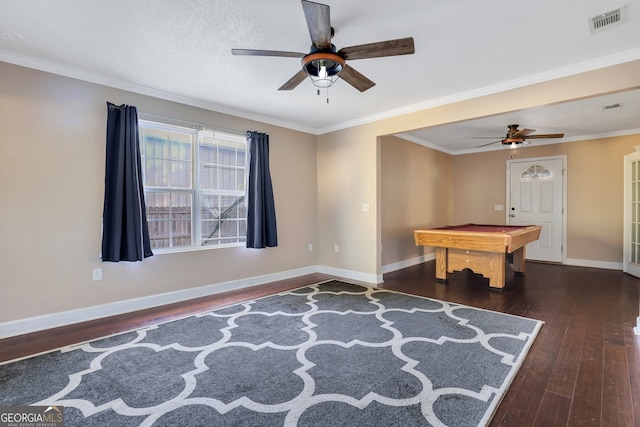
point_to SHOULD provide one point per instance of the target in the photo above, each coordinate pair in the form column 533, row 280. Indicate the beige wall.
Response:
column 52, row 170
column 479, row 184
column 594, row 192
column 418, row 183
column 52, row 144
column 361, row 143
column 416, row 192
column 347, row 179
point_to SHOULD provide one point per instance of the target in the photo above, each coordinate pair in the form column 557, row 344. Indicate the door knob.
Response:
column 512, row 215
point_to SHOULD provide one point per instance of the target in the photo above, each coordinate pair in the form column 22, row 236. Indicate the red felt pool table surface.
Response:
column 478, row 247
column 483, row 228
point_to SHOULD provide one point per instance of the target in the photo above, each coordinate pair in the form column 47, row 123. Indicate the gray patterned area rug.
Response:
column 328, row 354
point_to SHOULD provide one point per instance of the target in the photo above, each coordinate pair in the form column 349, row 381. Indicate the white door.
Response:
column 631, row 227
column 535, row 195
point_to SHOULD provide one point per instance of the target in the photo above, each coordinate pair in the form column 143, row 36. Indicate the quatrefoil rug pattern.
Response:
column 328, row 354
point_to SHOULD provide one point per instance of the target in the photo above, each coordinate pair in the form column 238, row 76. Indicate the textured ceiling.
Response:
column 181, row 50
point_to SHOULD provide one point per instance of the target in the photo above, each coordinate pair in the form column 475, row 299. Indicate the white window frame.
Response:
column 196, row 191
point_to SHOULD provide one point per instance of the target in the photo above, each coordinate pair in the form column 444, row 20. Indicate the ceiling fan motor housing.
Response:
column 314, row 61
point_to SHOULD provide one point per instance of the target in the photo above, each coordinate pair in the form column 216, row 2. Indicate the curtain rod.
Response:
column 190, row 123
column 193, row 124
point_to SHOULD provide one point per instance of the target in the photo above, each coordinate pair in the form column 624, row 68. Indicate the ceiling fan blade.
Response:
column 379, row 49
column 256, row 52
column 319, row 23
column 546, row 135
column 294, row 81
column 355, row 79
column 521, row 133
column 490, row 143
column 487, row 137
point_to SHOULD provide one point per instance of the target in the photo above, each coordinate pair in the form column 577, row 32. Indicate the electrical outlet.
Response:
column 97, row 274
column 310, row 247
column 336, row 248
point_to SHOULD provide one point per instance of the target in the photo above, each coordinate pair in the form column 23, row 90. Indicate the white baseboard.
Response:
column 569, row 261
column 39, row 323
column 373, row 279
column 607, row 265
column 54, row 320
column 388, row 268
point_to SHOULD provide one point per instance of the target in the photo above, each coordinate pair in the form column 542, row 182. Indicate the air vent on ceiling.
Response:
column 606, row 20
column 612, row 106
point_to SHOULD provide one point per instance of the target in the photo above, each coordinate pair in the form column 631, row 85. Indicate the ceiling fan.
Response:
column 516, row 137
column 324, row 63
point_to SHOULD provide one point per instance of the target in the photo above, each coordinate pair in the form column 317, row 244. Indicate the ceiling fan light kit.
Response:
column 324, row 64
column 513, row 145
column 323, row 68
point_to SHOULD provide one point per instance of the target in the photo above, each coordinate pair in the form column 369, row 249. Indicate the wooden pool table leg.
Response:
column 518, row 261
column 497, row 265
column 441, row 264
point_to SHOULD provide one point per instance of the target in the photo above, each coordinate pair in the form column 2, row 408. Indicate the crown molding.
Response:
column 592, row 65
column 101, row 79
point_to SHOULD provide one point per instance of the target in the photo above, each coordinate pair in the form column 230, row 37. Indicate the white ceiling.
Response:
column 181, row 50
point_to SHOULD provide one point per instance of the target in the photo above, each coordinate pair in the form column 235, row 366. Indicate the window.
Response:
column 194, row 185
column 536, row 171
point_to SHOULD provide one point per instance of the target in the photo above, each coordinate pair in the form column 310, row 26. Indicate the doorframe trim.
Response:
column 562, row 157
column 626, row 211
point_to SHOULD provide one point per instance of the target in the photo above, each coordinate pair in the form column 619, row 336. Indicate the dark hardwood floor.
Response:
column 583, row 369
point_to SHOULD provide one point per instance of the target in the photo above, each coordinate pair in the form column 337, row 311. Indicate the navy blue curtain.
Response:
column 261, row 209
column 125, row 234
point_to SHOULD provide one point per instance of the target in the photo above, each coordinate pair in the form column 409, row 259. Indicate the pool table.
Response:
column 480, row 248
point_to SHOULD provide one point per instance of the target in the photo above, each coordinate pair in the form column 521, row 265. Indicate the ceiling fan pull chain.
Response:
column 327, row 89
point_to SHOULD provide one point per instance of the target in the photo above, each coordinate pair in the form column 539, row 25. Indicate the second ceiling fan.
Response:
column 515, row 136
column 324, row 63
